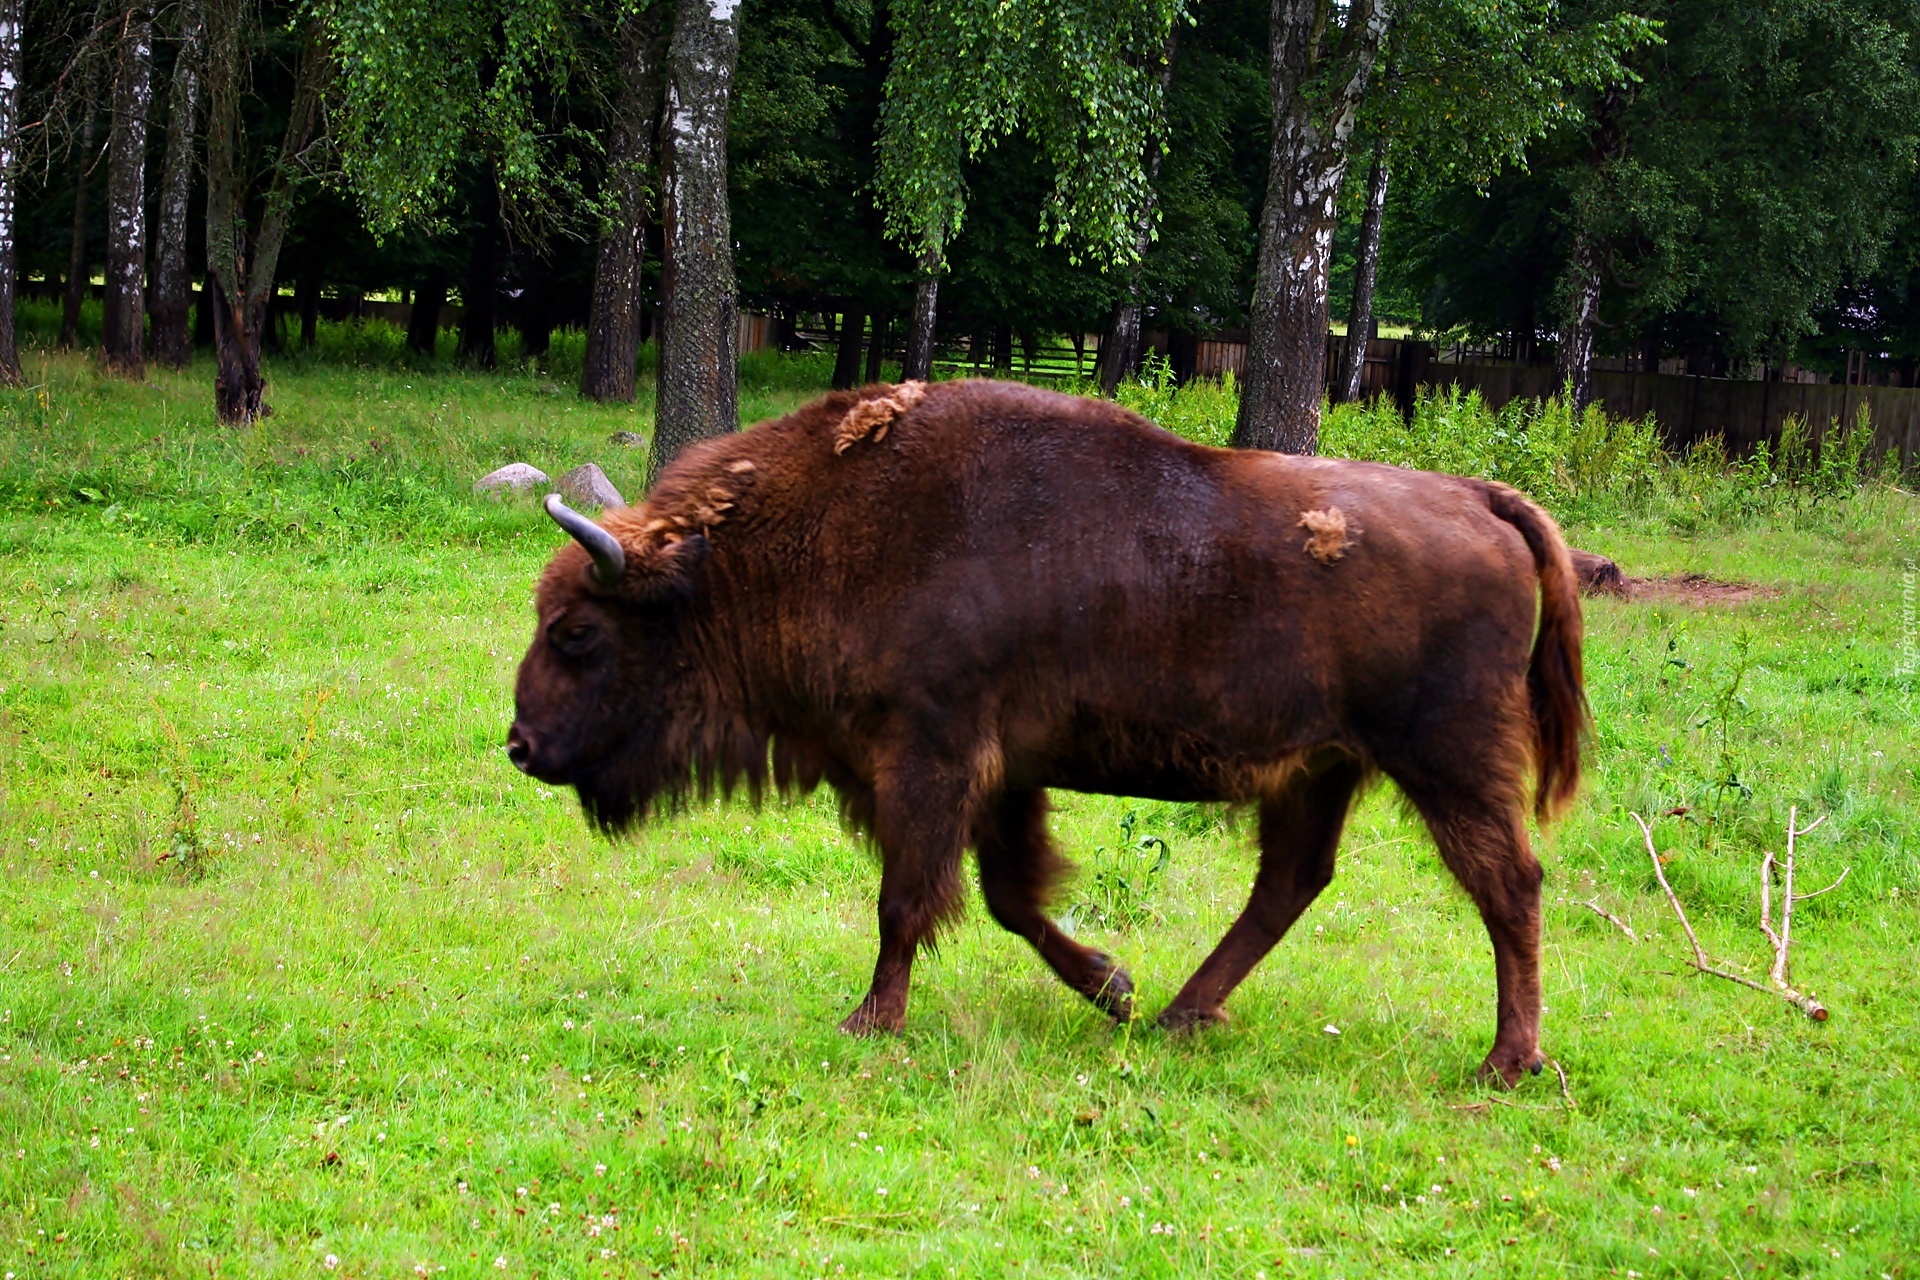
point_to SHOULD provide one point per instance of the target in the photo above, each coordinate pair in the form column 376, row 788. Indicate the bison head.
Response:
column 607, row 677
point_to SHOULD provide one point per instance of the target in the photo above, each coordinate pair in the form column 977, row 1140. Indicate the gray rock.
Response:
column 515, row 477
column 630, row 439
column 588, row 486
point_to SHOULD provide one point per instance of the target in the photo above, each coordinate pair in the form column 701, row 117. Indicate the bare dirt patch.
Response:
column 1696, row 589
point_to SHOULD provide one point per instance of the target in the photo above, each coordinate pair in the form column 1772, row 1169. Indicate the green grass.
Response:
column 295, row 967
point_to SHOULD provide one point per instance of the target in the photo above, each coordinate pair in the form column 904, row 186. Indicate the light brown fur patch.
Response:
column 870, row 418
column 1329, row 529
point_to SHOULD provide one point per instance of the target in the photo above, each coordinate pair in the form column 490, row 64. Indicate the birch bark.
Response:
column 698, row 394
column 11, row 12
column 1366, row 271
column 918, row 363
column 172, row 279
column 123, row 333
column 1317, row 79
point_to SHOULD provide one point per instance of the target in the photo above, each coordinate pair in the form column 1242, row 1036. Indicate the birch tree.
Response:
column 123, row 335
column 172, row 275
column 1320, row 60
column 11, row 14
column 698, row 392
column 1353, row 365
column 1473, row 84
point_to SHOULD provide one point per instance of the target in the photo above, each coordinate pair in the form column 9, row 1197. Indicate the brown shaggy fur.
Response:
column 870, row 418
column 1329, row 529
column 1003, row 590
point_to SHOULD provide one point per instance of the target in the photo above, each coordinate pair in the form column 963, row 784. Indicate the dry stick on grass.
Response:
column 1566, row 1094
column 1593, row 905
column 1807, row 1004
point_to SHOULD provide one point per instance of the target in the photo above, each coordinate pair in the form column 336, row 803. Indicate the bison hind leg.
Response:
column 1019, row 866
column 1299, row 833
column 1476, row 810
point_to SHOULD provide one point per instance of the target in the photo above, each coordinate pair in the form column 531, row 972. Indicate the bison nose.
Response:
column 519, row 749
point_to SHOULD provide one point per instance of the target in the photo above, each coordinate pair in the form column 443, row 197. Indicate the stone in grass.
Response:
column 515, row 477
column 628, row 439
column 587, row 486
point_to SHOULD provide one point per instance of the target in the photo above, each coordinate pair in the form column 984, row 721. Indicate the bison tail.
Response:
column 1555, row 684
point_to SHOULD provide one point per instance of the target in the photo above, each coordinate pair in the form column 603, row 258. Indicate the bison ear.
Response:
column 672, row 572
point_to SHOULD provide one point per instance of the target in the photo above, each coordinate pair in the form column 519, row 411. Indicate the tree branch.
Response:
column 1805, row 1003
column 830, row 10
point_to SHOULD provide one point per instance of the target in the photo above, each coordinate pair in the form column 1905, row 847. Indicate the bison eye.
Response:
column 573, row 637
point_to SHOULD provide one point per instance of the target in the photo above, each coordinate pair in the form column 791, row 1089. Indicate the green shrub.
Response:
column 1586, row 466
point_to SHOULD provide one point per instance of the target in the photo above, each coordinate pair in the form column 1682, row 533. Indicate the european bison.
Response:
column 943, row 600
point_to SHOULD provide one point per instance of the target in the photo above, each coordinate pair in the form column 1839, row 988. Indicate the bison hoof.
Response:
column 1508, row 1067
column 1112, row 991
column 868, row 1021
column 1181, row 1018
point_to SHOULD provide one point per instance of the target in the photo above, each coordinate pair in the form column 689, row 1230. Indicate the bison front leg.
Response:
column 1018, row 865
column 1299, row 833
column 919, row 817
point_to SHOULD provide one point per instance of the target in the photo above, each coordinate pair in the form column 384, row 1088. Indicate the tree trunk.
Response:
column 172, row 281
column 1573, row 367
column 123, row 336
column 483, row 272
column 1366, row 269
column 423, row 320
column 10, row 19
column 1003, row 350
column 77, row 266
column 1120, row 349
column 918, row 364
column 1579, row 286
column 613, row 326
column 698, row 394
column 1317, row 79
column 533, row 312
column 846, row 356
column 877, row 347
column 240, row 267
column 306, row 300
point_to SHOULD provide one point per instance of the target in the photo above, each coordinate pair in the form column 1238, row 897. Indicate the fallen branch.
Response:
column 1784, row 939
column 1781, row 940
column 1593, row 905
column 1566, row 1094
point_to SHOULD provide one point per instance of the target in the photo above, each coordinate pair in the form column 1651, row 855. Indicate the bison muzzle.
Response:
column 942, row 601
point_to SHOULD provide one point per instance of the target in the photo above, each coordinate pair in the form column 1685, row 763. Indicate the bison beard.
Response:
column 942, row 601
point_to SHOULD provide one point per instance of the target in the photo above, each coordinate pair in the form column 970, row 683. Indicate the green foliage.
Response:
column 1759, row 163
column 424, row 86
column 1202, row 411
column 1116, row 889
column 1079, row 77
column 1587, row 466
column 1469, row 85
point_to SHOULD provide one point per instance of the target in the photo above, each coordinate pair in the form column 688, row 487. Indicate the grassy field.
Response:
column 298, row 977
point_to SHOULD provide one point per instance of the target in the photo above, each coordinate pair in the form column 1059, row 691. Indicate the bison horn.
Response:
column 609, row 557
